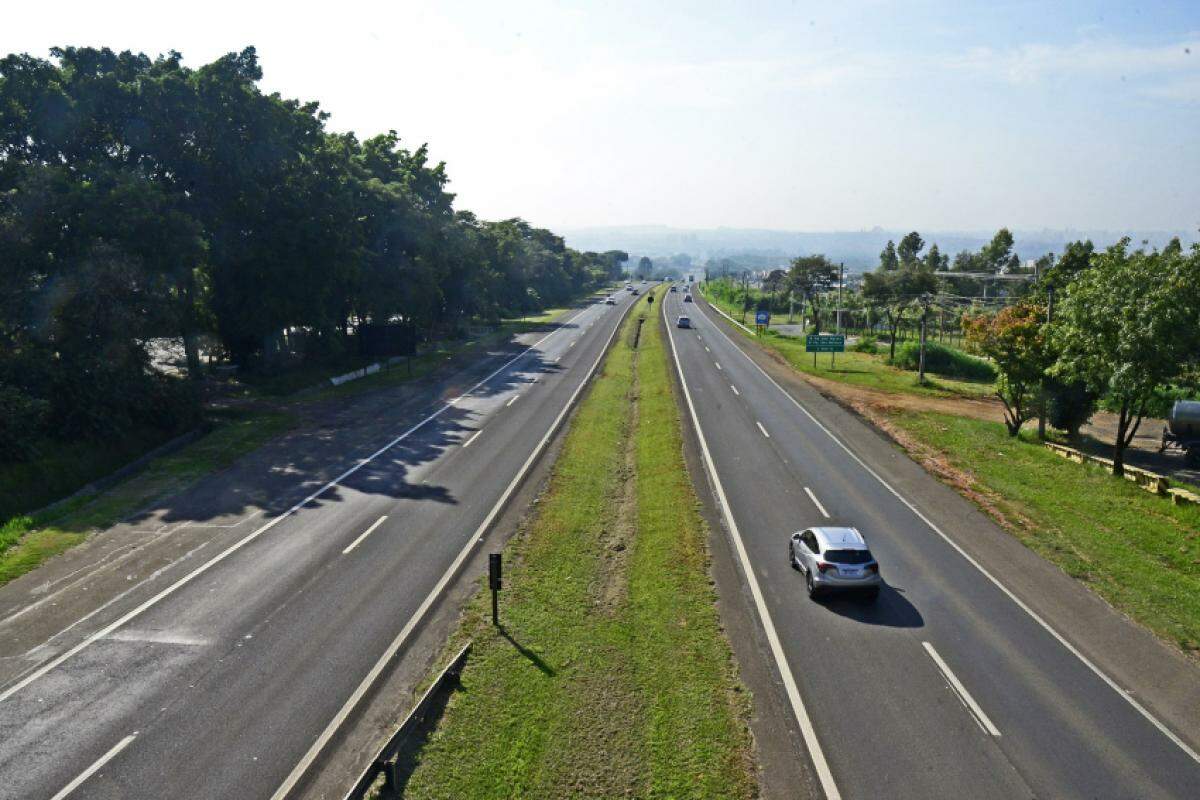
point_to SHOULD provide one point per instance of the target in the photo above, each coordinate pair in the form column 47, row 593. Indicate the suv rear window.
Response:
column 848, row 556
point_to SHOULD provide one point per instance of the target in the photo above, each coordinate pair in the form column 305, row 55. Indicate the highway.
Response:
column 224, row 674
column 948, row 686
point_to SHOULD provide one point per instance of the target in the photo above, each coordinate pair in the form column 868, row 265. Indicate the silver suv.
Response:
column 834, row 559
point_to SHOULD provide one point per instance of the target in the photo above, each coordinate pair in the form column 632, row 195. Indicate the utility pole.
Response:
column 841, row 280
column 925, row 300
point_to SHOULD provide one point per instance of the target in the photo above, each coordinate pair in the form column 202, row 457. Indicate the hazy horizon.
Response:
column 800, row 116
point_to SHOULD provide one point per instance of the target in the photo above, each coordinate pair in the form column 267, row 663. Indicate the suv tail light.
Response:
column 873, row 566
column 823, row 567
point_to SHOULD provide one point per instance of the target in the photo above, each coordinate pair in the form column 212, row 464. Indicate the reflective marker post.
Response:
column 494, row 584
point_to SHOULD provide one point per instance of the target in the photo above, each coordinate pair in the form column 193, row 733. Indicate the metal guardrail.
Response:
column 385, row 762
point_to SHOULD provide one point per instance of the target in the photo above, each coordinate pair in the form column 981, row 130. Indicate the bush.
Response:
column 1069, row 406
column 945, row 361
column 865, row 344
column 21, row 419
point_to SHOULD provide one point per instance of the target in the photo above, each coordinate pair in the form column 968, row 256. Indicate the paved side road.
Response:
column 223, row 666
column 981, row 671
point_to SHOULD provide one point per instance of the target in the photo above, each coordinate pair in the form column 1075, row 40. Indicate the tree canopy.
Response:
column 140, row 198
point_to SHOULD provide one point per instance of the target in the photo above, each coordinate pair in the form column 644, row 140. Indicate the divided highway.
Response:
column 945, row 687
column 228, row 680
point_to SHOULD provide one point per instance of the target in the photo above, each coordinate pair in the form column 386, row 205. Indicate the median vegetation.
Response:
column 610, row 676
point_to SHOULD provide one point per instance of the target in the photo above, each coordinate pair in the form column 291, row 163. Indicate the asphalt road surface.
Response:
column 948, row 686
column 225, row 677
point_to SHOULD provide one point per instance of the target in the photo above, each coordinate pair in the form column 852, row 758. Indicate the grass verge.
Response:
column 611, row 676
column 1139, row 552
column 27, row 541
column 860, row 369
column 316, row 375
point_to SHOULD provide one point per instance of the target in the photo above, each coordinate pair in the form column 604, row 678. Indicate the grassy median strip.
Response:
column 611, row 676
column 1138, row 551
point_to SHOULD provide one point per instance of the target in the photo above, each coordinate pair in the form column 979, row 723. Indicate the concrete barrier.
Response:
column 1150, row 481
column 1182, row 497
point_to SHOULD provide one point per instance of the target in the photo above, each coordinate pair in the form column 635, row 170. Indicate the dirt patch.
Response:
column 612, row 586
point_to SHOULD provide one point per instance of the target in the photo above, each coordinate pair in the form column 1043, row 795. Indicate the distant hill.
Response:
column 858, row 249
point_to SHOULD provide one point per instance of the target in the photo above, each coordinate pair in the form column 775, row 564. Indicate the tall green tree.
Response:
column 810, row 277
column 888, row 259
column 1129, row 324
column 909, row 249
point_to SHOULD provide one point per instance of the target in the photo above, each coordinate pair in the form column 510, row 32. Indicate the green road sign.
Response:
column 825, row 343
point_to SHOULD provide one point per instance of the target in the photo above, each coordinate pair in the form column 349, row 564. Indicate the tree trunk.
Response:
column 1042, row 411
column 1119, row 444
column 191, row 349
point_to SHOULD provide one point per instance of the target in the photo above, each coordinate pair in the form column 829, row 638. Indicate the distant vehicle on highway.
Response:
column 673, row 287
column 610, row 301
column 834, row 559
column 687, row 298
column 683, row 322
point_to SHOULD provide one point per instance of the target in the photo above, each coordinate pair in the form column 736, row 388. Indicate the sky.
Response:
column 780, row 115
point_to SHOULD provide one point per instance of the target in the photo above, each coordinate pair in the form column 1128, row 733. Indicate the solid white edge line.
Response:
column 789, row 681
column 472, row 438
column 513, row 400
column 761, row 428
column 963, row 694
column 364, row 535
column 735, row 391
column 298, row 771
column 816, row 502
column 1162, row 728
column 233, row 548
column 94, row 768
column 731, row 319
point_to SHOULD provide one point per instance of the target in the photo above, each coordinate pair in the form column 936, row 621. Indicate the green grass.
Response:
column 1138, row 551
column 612, row 677
column 860, row 369
column 25, row 542
column 313, row 375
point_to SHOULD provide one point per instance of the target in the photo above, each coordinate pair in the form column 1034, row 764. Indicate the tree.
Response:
column 908, row 249
column 1058, row 273
column 1129, row 324
column 935, row 261
column 808, row 277
column 997, row 255
column 895, row 291
column 141, row 199
column 645, row 267
column 887, row 258
column 1015, row 339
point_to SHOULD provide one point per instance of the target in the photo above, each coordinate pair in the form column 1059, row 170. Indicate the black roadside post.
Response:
column 650, row 299
column 494, row 585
